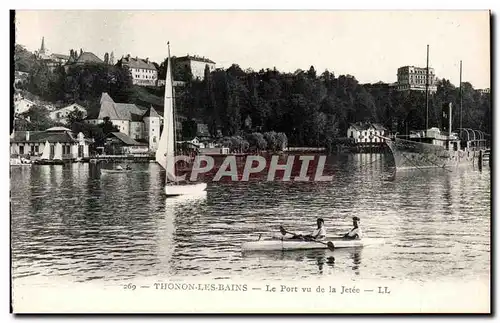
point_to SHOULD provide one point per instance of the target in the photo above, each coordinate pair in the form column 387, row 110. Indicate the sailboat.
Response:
column 58, row 152
column 46, row 151
column 165, row 154
column 44, row 158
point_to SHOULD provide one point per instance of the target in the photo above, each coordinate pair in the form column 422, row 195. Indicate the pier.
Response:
column 135, row 158
column 484, row 158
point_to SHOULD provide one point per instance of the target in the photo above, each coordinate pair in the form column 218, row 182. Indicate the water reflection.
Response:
column 356, row 260
column 321, row 258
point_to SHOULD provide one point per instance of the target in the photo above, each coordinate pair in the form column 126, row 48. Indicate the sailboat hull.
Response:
column 188, row 189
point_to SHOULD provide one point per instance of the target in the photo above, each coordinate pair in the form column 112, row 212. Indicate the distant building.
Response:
column 118, row 143
column 22, row 105
column 59, row 59
column 214, row 151
column 134, row 122
column 62, row 141
column 52, row 60
column 143, row 71
column 175, row 83
column 484, row 91
column 20, row 77
column 60, row 115
column 82, row 59
column 202, row 130
column 195, row 64
column 411, row 78
column 366, row 132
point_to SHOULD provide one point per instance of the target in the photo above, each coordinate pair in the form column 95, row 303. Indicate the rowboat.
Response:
column 117, row 171
column 287, row 244
column 19, row 162
column 189, row 189
column 105, row 171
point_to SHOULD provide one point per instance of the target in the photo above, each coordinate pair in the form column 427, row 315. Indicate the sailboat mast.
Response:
column 427, row 91
column 169, row 67
column 174, row 122
column 460, row 94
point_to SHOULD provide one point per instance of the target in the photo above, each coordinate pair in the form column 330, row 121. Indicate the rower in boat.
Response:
column 355, row 233
column 128, row 167
column 318, row 234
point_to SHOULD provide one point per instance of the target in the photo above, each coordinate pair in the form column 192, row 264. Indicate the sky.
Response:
column 369, row 45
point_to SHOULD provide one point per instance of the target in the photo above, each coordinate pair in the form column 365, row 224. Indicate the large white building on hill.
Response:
column 142, row 70
column 141, row 125
column 411, row 78
column 196, row 65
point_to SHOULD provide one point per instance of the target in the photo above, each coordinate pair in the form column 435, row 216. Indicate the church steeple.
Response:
column 42, row 48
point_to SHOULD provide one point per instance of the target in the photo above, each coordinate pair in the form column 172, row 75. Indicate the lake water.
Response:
column 74, row 222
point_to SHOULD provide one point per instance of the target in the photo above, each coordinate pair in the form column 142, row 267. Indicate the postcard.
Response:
column 251, row 162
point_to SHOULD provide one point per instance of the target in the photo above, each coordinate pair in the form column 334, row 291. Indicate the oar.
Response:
column 329, row 244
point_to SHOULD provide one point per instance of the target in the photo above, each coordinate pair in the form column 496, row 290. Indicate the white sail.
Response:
column 166, row 145
column 46, row 151
column 165, row 153
column 58, row 151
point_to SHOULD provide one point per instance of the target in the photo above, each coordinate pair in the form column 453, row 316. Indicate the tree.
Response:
column 106, row 58
column 248, row 122
column 107, row 126
column 75, row 116
column 311, row 73
column 233, row 115
column 90, row 131
column 235, row 143
column 24, row 60
column 39, row 119
column 257, row 141
column 189, row 129
column 271, row 138
column 281, row 141
column 40, row 80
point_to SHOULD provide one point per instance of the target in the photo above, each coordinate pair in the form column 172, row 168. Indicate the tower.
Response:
column 152, row 128
column 42, row 47
column 43, row 52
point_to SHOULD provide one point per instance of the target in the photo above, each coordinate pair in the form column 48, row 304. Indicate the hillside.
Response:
column 311, row 109
column 24, row 60
column 147, row 97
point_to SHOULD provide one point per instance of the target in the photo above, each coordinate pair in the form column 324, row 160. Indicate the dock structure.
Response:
column 305, row 149
column 484, row 158
column 136, row 158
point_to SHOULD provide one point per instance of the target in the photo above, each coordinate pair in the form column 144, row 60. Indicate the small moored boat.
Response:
column 20, row 162
column 113, row 171
column 117, row 171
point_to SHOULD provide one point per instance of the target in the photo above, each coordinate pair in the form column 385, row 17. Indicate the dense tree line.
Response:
column 315, row 110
